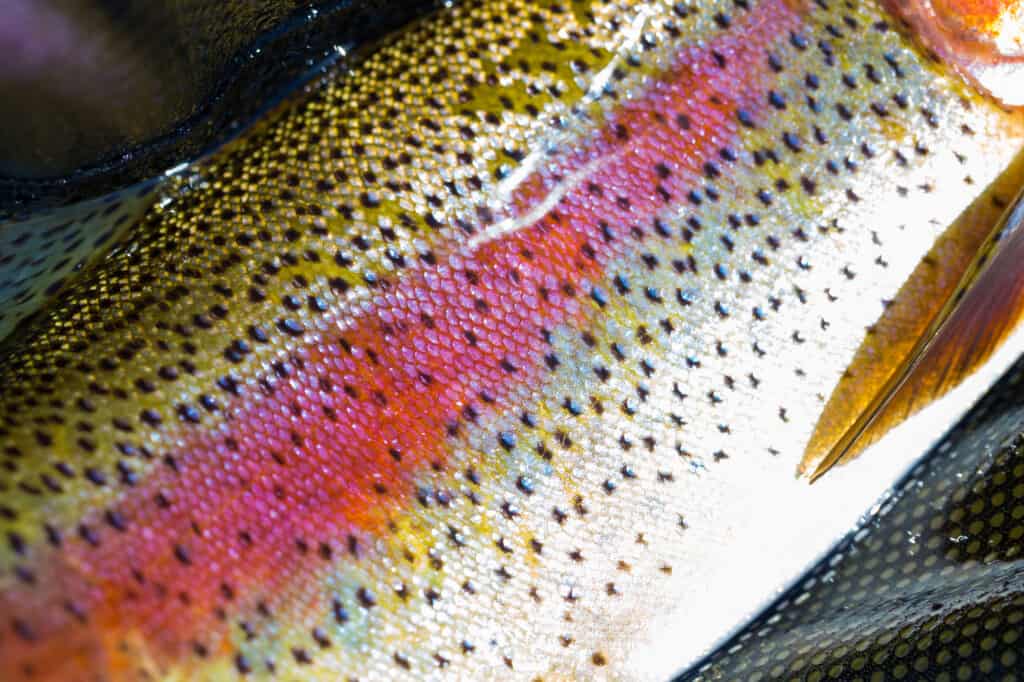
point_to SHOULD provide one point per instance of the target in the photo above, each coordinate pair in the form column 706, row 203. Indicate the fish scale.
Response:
column 481, row 359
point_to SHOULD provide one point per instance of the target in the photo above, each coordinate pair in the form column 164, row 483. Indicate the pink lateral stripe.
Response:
column 334, row 449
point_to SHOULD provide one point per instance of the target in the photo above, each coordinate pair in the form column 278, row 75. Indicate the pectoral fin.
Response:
column 975, row 317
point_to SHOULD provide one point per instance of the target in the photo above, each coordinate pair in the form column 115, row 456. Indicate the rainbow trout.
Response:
column 494, row 357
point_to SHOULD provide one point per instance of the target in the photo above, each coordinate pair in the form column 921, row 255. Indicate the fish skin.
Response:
column 100, row 101
column 524, row 499
column 44, row 252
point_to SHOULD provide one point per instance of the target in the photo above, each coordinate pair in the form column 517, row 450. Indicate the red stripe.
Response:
column 410, row 368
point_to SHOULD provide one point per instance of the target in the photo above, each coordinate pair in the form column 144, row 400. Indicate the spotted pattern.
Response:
column 930, row 587
column 466, row 361
column 38, row 255
column 188, row 76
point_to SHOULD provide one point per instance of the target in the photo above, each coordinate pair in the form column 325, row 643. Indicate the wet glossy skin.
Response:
column 472, row 361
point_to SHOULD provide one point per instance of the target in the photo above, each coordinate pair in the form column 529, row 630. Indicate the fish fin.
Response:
column 980, row 40
column 982, row 310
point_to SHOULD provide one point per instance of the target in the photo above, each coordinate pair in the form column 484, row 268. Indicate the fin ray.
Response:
column 982, row 310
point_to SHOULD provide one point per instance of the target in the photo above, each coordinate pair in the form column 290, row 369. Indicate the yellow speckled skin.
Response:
column 478, row 361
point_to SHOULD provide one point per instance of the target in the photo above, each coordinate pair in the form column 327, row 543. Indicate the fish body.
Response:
column 484, row 359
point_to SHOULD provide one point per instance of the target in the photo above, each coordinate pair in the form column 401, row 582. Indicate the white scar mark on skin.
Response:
column 537, row 158
column 630, row 40
column 539, row 210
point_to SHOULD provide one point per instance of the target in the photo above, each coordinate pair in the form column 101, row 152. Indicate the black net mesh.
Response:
column 930, row 587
